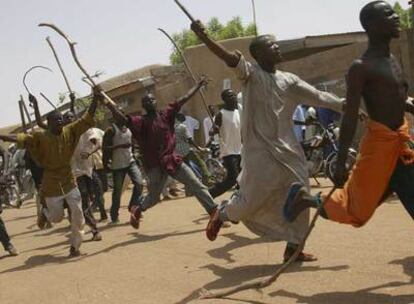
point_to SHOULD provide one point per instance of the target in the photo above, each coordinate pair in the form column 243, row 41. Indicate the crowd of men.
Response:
column 258, row 144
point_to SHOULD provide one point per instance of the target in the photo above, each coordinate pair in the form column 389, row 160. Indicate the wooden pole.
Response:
column 183, row 8
column 48, row 100
column 22, row 117
column 49, row 42
column 27, row 114
column 254, row 18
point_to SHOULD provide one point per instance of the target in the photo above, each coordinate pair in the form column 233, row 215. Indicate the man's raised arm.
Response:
column 183, row 99
column 230, row 58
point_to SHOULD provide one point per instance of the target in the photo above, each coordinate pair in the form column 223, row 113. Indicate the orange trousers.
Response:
column 369, row 179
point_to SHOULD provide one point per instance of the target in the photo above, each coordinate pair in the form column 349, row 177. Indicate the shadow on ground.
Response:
column 367, row 295
column 238, row 241
column 45, row 260
column 238, row 275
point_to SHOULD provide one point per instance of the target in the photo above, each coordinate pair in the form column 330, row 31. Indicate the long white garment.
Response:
column 230, row 133
column 97, row 156
column 82, row 166
column 272, row 158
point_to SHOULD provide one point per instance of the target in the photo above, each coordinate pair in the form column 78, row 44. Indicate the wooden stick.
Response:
column 75, row 57
column 49, row 42
column 48, row 100
column 27, row 73
column 254, row 17
column 189, row 70
column 27, row 114
column 182, row 7
column 262, row 283
column 22, row 117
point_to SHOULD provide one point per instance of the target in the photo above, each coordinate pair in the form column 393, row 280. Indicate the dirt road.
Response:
column 169, row 259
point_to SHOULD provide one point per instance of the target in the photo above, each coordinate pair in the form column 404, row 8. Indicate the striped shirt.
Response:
column 182, row 134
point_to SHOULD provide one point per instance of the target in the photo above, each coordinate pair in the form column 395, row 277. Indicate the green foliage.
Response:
column 83, row 104
column 405, row 16
column 216, row 30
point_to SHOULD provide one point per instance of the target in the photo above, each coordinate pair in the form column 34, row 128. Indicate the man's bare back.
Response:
column 383, row 90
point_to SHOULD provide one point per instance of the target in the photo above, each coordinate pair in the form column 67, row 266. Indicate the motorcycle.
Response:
column 9, row 193
column 213, row 163
column 320, row 162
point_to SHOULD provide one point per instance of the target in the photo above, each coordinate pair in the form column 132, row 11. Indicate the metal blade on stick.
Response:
column 27, row 73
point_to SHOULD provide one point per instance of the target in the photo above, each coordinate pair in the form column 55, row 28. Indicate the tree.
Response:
column 405, row 16
column 233, row 29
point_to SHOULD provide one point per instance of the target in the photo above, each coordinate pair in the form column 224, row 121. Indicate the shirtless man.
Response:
column 378, row 78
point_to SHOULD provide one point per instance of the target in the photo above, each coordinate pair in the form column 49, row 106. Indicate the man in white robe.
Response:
column 272, row 157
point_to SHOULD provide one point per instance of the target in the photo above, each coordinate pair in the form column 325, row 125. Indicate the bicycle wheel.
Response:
column 332, row 160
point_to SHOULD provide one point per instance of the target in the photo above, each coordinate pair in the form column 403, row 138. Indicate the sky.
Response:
column 116, row 36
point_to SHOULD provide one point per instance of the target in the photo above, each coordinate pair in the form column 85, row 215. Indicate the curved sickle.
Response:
column 31, row 69
column 75, row 57
column 189, row 70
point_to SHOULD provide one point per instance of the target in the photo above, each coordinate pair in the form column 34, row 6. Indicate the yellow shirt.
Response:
column 53, row 153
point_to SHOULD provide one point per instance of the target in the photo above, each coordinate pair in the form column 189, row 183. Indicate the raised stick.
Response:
column 254, row 17
column 75, row 57
column 27, row 113
column 182, row 7
column 49, row 42
column 263, row 283
column 22, row 117
column 189, row 70
column 48, row 100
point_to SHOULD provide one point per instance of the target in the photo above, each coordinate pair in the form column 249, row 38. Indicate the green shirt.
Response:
column 53, row 153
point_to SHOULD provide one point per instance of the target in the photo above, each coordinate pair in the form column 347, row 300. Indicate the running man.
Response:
column 378, row 78
column 155, row 135
column 272, row 157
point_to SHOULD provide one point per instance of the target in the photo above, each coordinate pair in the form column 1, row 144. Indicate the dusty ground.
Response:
column 169, row 260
